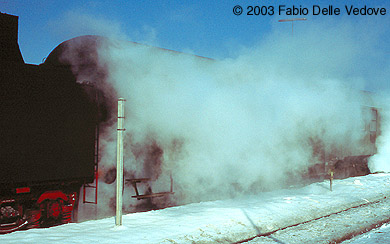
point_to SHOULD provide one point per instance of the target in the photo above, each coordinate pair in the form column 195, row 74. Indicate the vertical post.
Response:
column 331, row 180
column 171, row 183
column 119, row 162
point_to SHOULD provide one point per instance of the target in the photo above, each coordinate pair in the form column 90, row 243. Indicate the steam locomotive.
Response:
column 48, row 138
column 50, row 128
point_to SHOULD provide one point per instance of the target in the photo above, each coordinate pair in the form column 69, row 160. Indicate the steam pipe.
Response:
column 119, row 162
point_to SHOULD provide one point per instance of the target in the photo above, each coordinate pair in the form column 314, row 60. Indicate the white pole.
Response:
column 119, row 161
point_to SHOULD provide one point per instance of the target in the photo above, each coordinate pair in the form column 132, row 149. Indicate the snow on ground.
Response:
column 333, row 228
column 377, row 236
column 224, row 221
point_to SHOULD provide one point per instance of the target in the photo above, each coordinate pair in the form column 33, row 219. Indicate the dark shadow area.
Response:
column 259, row 234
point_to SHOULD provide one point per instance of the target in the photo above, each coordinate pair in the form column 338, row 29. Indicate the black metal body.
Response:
column 47, row 123
column 48, row 126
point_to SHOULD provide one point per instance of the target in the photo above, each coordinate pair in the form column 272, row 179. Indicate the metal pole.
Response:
column 119, row 161
column 292, row 23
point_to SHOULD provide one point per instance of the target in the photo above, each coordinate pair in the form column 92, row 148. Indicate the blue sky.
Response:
column 205, row 28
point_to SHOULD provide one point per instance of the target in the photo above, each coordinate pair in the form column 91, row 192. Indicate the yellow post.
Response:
column 331, row 179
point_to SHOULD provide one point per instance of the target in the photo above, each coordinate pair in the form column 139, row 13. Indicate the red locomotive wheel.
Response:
column 54, row 209
column 52, row 212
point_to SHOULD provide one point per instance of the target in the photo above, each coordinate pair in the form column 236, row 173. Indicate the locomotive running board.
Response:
column 150, row 195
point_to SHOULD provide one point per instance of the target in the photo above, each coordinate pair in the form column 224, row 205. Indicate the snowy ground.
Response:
column 235, row 220
column 377, row 236
column 333, row 228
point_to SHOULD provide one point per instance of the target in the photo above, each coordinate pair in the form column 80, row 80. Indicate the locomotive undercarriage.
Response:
column 11, row 216
column 37, row 209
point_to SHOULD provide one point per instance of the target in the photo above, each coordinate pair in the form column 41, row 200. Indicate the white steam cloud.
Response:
column 78, row 22
column 238, row 126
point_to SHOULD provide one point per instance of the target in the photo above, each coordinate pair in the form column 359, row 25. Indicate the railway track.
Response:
column 333, row 228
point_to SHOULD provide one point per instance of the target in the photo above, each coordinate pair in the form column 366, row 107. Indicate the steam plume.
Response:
column 236, row 126
column 230, row 127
